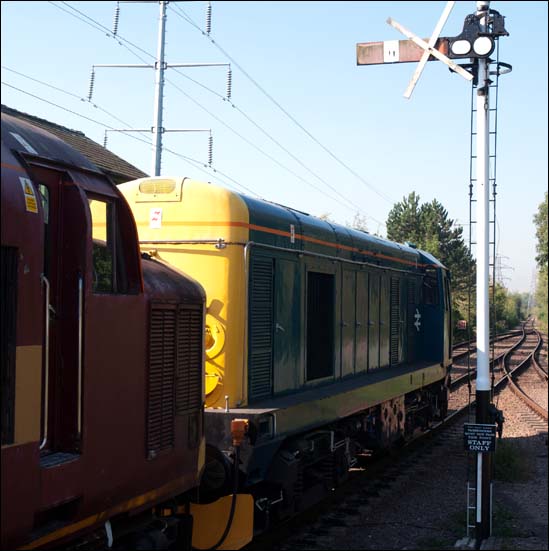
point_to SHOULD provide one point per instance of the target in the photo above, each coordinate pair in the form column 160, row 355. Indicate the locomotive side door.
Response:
column 361, row 358
column 348, row 322
column 373, row 322
column 65, row 231
column 287, row 323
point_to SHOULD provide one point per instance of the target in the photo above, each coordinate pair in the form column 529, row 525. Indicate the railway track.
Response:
column 524, row 382
column 464, row 356
column 378, row 479
column 461, row 349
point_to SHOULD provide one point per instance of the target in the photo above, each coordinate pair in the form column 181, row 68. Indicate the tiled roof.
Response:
column 119, row 169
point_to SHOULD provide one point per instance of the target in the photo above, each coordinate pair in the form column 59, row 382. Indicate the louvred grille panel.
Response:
column 260, row 362
column 175, row 371
column 395, row 320
column 189, row 365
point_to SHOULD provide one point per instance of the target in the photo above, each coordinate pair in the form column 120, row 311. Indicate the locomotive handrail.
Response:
column 80, row 316
column 46, row 283
column 245, row 244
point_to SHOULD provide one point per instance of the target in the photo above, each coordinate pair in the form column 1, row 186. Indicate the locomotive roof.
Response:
column 116, row 167
column 327, row 237
column 33, row 141
column 24, row 142
column 268, row 224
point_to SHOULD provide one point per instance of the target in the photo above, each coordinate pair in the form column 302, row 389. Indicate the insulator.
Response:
column 210, row 150
column 92, row 81
column 229, row 83
column 209, row 18
column 116, row 18
column 105, row 140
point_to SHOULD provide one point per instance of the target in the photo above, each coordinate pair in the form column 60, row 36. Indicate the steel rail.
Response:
column 508, row 378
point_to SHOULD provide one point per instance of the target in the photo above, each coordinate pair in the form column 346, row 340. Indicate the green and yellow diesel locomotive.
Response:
column 328, row 341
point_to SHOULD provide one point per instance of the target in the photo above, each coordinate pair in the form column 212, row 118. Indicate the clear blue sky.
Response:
column 377, row 147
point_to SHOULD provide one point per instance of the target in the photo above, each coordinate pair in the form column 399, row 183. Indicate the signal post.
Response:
column 476, row 43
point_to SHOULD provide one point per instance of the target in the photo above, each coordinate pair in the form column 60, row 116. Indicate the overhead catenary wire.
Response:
column 277, row 142
column 66, row 92
column 179, row 11
column 349, row 204
column 194, row 162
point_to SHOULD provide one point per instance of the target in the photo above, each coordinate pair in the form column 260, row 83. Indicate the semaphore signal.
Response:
column 476, row 42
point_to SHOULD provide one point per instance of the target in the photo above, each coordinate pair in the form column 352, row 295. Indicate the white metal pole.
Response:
column 483, row 263
column 159, row 92
column 483, row 230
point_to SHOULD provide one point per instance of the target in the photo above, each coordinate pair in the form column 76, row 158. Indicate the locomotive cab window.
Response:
column 107, row 258
column 430, row 287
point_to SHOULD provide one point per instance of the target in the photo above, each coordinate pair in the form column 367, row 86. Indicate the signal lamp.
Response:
column 461, row 47
column 483, row 46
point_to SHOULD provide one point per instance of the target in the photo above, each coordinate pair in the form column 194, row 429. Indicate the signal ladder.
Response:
column 472, row 508
column 500, row 68
column 492, row 129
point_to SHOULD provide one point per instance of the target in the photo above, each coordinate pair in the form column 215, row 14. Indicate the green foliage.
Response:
column 540, row 220
column 510, row 308
column 506, row 525
column 429, row 228
column 511, row 462
column 404, row 221
column 541, row 300
column 102, row 267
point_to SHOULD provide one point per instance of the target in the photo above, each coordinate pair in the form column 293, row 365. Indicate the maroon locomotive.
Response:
column 102, row 360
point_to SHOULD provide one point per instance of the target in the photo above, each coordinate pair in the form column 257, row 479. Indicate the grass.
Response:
column 511, row 463
column 503, row 524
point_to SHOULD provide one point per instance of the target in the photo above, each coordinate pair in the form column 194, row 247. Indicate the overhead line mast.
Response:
column 476, row 42
column 160, row 66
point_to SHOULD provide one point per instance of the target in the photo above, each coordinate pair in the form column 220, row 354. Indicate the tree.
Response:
column 359, row 222
column 509, row 308
column 404, row 221
column 326, row 216
column 429, row 228
column 541, row 300
column 540, row 221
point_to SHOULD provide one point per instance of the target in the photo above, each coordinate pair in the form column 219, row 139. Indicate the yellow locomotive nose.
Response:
column 214, row 344
column 215, row 337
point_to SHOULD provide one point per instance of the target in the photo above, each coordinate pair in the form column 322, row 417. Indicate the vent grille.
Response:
column 411, row 292
column 261, row 329
column 395, row 319
column 189, row 365
column 175, row 372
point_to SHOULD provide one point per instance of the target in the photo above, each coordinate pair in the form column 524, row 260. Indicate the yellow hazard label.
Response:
column 30, row 202
column 30, row 197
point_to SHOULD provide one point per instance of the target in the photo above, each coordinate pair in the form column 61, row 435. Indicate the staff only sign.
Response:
column 479, row 437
